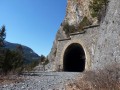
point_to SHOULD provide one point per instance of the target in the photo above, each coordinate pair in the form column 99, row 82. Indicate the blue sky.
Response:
column 33, row 23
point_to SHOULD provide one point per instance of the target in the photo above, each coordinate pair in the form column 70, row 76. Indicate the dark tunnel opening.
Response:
column 74, row 58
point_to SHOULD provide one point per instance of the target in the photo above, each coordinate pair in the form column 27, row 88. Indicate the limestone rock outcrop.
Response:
column 76, row 10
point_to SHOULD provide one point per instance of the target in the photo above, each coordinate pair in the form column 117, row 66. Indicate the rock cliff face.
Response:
column 108, row 43
column 101, row 44
column 76, row 10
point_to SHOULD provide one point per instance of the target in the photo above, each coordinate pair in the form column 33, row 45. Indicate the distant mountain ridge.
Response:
column 29, row 54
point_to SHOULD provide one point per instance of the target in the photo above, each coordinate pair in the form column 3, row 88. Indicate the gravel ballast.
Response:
column 42, row 81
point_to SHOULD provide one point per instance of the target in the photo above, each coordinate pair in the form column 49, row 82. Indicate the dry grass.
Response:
column 105, row 79
column 10, row 79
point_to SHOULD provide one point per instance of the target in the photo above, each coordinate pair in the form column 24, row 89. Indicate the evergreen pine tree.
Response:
column 2, row 35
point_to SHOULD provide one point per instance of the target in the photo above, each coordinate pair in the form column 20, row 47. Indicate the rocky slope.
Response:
column 29, row 54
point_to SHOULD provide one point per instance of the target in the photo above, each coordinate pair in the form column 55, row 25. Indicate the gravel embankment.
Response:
column 43, row 81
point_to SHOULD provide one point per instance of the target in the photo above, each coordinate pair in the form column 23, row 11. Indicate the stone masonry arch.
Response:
column 74, row 58
column 70, row 42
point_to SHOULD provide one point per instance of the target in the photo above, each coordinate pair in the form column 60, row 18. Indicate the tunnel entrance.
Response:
column 74, row 58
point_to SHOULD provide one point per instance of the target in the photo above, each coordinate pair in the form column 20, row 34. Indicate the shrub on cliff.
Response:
column 96, row 7
column 69, row 29
column 72, row 29
column 85, row 22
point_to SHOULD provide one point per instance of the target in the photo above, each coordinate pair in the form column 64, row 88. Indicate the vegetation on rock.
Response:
column 69, row 29
column 83, row 23
column 78, row 28
column 96, row 7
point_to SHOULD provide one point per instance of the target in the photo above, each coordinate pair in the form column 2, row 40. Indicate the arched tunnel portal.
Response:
column 74, row 58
